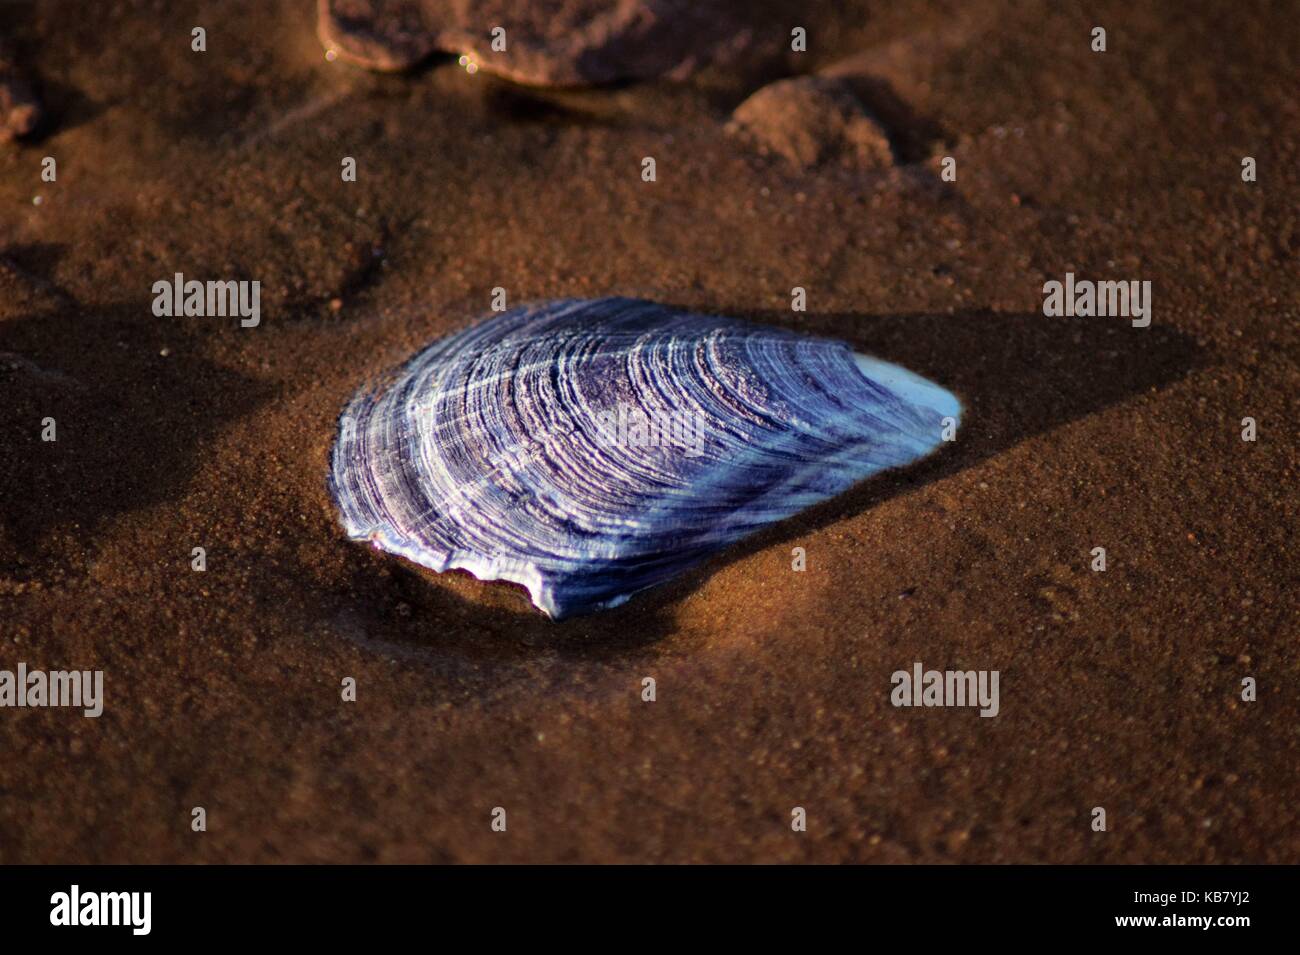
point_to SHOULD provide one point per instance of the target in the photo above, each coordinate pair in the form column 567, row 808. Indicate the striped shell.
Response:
column 588, row 449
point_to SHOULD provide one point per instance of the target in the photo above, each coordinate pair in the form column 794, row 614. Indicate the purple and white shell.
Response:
column 589, row 449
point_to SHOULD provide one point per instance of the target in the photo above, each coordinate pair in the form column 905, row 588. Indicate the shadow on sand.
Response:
column 134, row 404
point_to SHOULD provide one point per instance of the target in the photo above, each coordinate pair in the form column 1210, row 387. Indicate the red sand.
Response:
column 1119, row 690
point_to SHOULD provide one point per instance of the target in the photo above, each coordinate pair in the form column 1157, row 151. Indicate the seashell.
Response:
column 546, row 42
column 588, row 449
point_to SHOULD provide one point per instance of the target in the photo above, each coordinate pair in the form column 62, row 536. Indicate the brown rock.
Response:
column 811, row 121
column 19, row 110
column 547, row 42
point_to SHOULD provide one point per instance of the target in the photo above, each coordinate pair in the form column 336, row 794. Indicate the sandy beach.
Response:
column 1120, row 689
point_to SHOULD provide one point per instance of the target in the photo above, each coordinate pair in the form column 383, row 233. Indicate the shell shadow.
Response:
column 1018, row 375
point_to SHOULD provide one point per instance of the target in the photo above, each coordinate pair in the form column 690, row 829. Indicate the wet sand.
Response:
column 1119, row 689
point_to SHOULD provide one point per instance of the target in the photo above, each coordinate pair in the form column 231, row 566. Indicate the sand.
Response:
column 1120, row 690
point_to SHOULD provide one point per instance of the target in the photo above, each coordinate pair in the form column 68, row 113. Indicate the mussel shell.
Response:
column 499, row 449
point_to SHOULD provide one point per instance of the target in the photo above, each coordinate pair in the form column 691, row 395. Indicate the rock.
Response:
column 19, row 110
column 545, row 42
column 811, row 121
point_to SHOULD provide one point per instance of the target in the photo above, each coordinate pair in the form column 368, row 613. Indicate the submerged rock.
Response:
column 546, row 42
column 588, row 449
column 811, row 121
